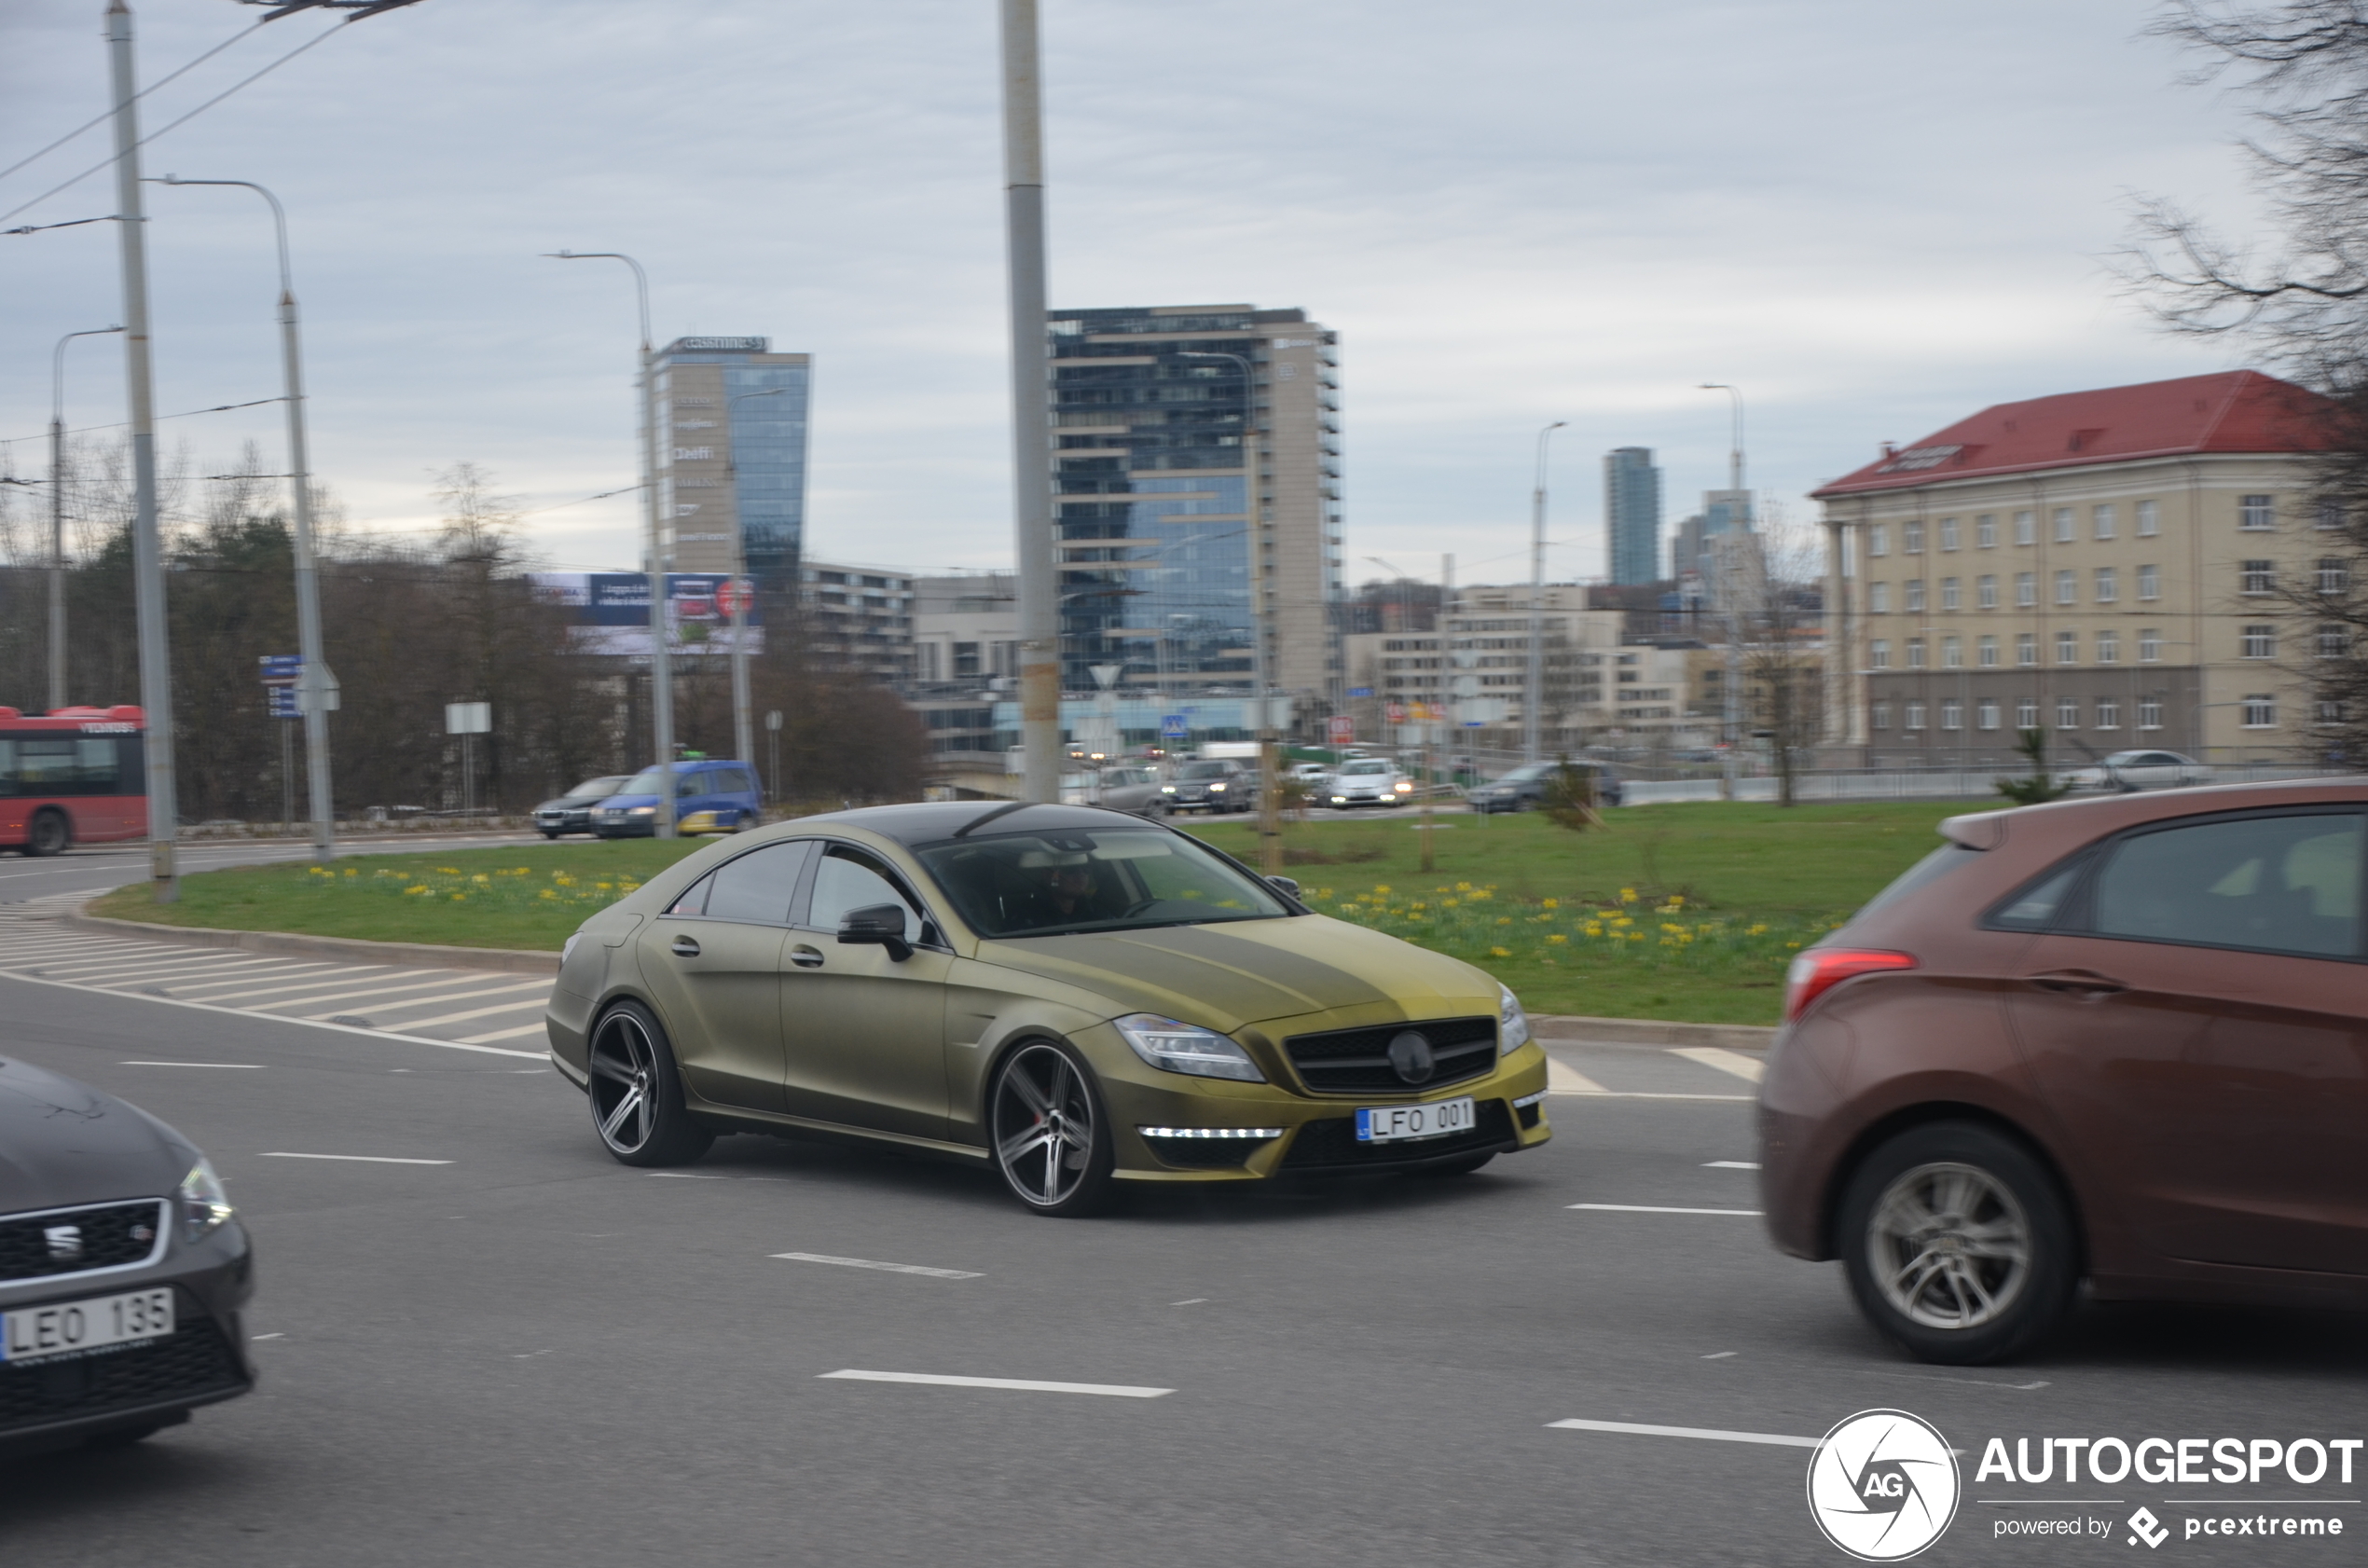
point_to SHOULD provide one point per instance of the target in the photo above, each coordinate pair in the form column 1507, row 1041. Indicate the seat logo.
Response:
column 1410, row 1054
column 1883, row 1485
column 65, row 1241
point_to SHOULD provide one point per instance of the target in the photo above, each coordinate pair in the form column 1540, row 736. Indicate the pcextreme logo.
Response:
column 1883, row 1485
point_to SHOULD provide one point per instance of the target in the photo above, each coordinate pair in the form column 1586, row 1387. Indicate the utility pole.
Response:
column 148, row 545
column 1533, row 693
column 58, row 513
column 1031, row 412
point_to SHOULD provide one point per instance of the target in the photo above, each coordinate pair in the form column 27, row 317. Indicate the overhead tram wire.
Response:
column 102, row 119
column 187, row 414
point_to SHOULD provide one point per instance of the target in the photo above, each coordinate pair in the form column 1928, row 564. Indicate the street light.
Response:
column 743, row 733
column 58, row 513
column 312, row 667
column 1269, row 804
column 661, row 671
column 1533, row 699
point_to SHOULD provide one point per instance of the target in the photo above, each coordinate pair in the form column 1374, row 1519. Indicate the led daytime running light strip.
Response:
column 1211, row 1132
column 1528, row 1100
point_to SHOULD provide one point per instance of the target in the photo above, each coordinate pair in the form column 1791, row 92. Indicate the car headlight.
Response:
column 1167, row 789
column 1215, row 789
column 1404, row 787
column 1340, row 800
column 1512, row 1023
column 645, row 811
column 204, row 1205
column 568, row 946
column 1175, row 1047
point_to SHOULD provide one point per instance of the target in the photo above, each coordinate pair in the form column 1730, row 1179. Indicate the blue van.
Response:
column 726, row 788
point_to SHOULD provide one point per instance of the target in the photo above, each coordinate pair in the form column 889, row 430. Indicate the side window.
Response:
column 689, row 784
column 735, row 781
column 2287, row 884
column 850, row 879
column 757, row 886
column 694, row 900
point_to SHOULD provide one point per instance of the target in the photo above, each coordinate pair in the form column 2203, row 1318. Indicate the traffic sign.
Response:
column 1395, row 713
column 1360, row 691
column 734, row 596
column 1343, row 729
column 1173, row 726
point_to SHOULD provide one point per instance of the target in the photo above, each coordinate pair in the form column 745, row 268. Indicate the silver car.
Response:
column 1133, row 789
column 2131, row 770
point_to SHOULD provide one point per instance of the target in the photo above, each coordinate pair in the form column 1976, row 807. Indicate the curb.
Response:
column 289, row 943
column 1651, row 1031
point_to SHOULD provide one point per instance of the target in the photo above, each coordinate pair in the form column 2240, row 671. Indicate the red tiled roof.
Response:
column 2234, row 411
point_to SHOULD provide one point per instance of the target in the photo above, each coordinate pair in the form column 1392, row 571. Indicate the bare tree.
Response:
column 1767, row 593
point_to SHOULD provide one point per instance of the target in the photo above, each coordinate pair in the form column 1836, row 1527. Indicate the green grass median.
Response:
column 1677, row 911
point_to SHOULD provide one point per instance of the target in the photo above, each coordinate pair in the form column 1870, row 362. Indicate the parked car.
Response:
column 1310, row 773
column 572, row 813
column 1072, row 997
column 2129, row 771
column 725, row 788
column 1213, row 784
column 2124, row 1039
column 1365, row 781
column 123, row 1272
column 1135, row 790
column 1525, row 787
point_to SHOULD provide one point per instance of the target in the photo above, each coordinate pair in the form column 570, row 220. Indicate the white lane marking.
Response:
column 885, row 1268
column 1711, row 1434
column 678, row 1175
column 368, row 991
column 1192, row 1301
column 1650, row 1208
column 73, row 948
column 364, row 1159
column 535, row 1028
column 1724, row 1061
column 142, row 969
column 1719, row 1355
column 242, row 1067
column 287, row 971
column 1731, row 1165
column 1026, row 1385
column 278, row 1018
column 279, row 1336
column 317, row 980
column 1652, row 1094
column 474, row 1012
column 1561, row 1079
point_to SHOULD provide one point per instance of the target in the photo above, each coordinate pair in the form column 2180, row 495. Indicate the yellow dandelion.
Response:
column 1552, row 904
column 1500, row 951
column 1627, row 895
column 1558, row 937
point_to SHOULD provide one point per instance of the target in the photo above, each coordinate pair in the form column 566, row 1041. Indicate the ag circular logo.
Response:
column 1883, row 1485
column 1410, row 1054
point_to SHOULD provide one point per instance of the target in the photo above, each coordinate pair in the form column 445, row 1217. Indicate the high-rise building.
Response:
column 1154, row 504
column 1631, row 514
column 732, row 453
column 1691, row 548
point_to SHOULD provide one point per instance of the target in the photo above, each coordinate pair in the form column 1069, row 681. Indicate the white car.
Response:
column 2131, row 770
column 1364, row 782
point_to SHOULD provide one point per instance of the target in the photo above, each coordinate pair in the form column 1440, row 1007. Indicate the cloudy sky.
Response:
column 1872, row 217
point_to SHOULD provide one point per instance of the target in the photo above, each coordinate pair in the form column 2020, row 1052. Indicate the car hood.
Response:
column 627, row 800
column 575, row 802
column 63, row 1142
column 1229, row 976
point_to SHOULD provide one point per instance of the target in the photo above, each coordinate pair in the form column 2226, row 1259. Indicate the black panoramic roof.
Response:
column 932, row 821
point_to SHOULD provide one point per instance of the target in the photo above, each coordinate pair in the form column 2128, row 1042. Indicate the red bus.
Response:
column 78, row 775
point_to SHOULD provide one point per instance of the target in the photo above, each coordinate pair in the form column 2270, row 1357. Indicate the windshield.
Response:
column 1204, row 770
column 1524, row 775
column 1109, row 879
column 1364, row 767
column 646, row 782
column 597, row 788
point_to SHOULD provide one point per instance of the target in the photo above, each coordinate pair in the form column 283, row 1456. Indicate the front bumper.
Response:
column 624, row 827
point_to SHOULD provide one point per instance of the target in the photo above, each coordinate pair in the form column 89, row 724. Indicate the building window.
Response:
column 2026, row 528
column 2335, row 575
column 1878, row 598
column 2108, row 714
column 1952, row 653
column 2256, row 515
column 2066, row 714
column 2026, row 589
column 2150, row 713
column 1949, row 533
column 1986, row 531
column 1879, row 653
column 2108, row 647
column 2065, row 533
column 2025, row 648
column 1986, row 592
column 1915, row 653
column 2068, row 647
column 1882, row 715
column 1986, row 653
column 1912, row 595
column 2149, row 582
column 2261, row 643
column 2108, row 585
column 2261, row 711
column 2150, row 645
column 1952, row 716
column 2258, row 577
column 1914, row 716
column 2104, row 520
column 2068, row 586
column 1877, row 538
column 1951, row 598
column 2026, row 714
column 1986, row 713
column 2335, row 641
column 2150, row 519
column 2329, row 513
column 1911, row 539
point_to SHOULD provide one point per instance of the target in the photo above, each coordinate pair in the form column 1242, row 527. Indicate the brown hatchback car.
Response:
column 2119, row 1040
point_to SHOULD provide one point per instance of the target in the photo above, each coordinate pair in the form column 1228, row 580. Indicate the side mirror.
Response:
column 879, row 925
column 1289, row 885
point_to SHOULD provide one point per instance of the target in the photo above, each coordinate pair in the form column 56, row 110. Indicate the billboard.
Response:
column 610, row 611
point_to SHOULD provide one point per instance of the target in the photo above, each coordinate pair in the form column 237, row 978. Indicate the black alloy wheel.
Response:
column 48, row 833
column 1957, row 1243
column 637, row 1095
column 1045, row 1126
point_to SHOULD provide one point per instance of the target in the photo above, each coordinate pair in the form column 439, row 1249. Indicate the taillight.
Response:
column 1820, row 969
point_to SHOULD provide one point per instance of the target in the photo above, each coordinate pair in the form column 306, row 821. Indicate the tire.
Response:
column 551, row 832
column 1464, row 1166
column 636, row 1092
column 1039, row 1096
column 48, row 833
column 1981, row 1227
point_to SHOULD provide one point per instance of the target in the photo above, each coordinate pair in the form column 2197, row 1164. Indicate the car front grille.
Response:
column 193, row 1363
column 1331, row 1143
column 76, row 1240
column 1356, row 1061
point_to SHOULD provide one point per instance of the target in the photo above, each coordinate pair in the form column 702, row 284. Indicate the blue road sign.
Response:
column 281, row 669
column 1174, row 727
column 280, row 702
column 1360, row 691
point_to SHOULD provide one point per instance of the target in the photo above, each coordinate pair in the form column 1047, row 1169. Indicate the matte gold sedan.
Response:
column 1076, row 997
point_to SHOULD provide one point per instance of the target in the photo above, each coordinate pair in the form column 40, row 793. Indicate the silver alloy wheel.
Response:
column 1948, row 1245
column 624, row 1065
column 1043, row 1125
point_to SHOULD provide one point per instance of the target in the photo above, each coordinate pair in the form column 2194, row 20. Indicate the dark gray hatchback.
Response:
column 122, row 1271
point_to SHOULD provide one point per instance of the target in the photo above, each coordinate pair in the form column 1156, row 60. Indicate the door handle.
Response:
column 805, row 957
column 685, row 948
column 2085, row 984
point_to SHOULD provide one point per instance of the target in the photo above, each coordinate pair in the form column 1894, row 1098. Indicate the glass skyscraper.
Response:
column 1632, row 515
column 732, row 451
